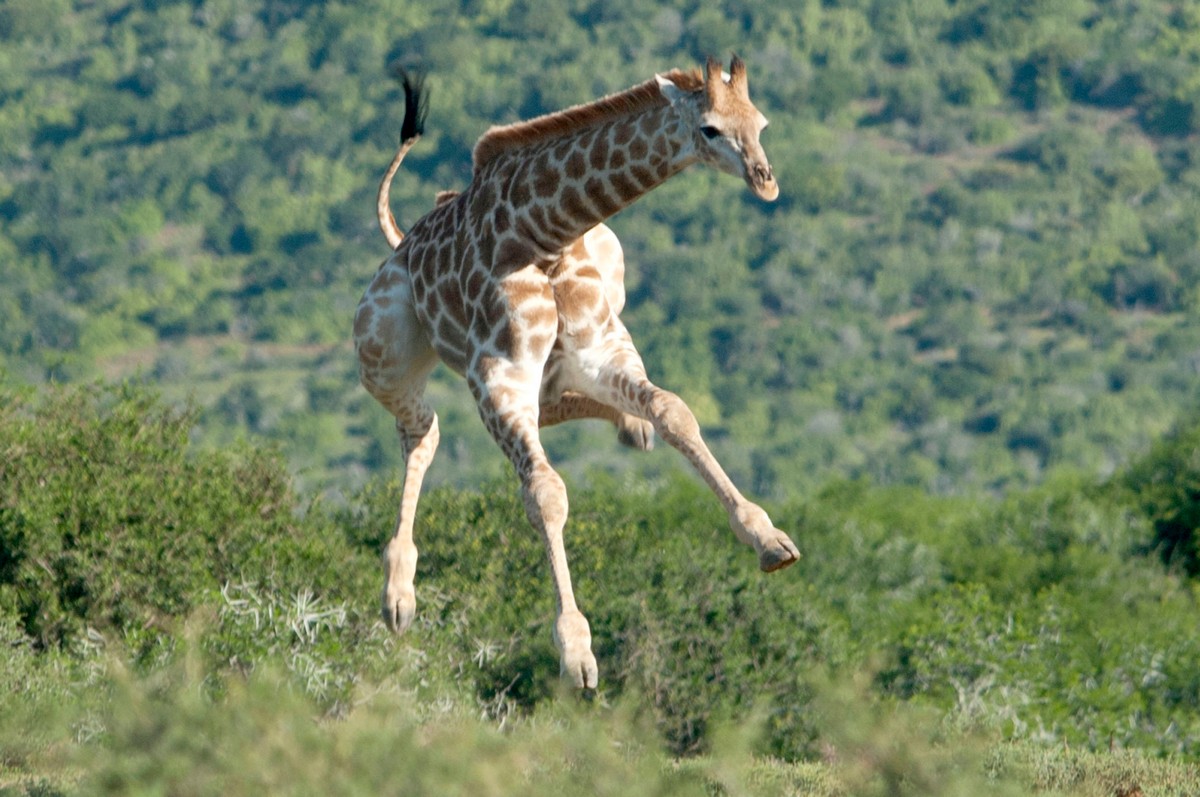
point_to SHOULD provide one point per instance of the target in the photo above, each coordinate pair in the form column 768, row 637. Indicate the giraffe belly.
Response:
column 586, row 364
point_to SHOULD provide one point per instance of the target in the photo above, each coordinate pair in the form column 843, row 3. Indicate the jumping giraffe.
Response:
column 501, row 283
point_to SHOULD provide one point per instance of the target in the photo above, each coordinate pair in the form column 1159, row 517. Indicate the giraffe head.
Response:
column 724, row 125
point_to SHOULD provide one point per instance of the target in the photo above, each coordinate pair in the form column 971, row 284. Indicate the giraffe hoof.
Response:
column 583, row 672
column 574, row 639
column 636, row 433
column 775, row 549
column 778, row 554
column 399, row 608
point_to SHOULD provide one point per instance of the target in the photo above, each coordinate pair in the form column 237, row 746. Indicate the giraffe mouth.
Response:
column 761, row 180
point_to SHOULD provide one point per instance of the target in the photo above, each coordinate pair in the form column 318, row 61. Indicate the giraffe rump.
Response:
column 500, row 139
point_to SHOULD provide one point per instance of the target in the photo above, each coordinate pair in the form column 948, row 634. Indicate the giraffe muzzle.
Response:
column 762, row 181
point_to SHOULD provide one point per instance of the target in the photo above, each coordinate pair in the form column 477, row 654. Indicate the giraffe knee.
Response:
column 672, row 418
column 545, row 497
column 419, row 431
column 417, row 426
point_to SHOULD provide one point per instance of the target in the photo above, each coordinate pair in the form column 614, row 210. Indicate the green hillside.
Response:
column 983, row 265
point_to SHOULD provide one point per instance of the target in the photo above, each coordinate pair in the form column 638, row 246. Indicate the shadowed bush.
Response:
column 109, row 521
column 1165, row 485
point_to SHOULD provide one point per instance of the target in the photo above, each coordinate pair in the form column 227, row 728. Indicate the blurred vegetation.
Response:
column 178, row 620
column 984, row 263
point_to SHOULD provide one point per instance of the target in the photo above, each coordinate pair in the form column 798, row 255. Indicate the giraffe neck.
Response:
column 557, row 190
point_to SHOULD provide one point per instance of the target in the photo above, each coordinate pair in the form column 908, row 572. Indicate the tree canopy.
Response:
column 983, row 265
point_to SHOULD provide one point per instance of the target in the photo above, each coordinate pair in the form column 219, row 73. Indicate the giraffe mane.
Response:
column 504, row 138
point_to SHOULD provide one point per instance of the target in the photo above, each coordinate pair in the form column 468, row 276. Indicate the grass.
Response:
column 186, row 726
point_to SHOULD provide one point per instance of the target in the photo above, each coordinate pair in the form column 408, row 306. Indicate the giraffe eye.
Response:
column 709, row 132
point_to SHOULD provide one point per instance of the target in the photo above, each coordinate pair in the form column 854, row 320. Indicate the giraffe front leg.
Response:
column 677, row 424
column 635, row 432
column 546, row 505
column 752, row 524
column 573, row 638
column 509, row 410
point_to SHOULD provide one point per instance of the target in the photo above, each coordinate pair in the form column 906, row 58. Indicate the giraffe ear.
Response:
column 669, row 90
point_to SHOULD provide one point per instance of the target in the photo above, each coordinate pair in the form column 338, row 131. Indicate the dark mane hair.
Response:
column 644, row 95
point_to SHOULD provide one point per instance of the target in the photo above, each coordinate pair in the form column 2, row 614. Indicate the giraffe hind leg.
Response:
column 507, row 397
column 399, row 601
column 417, row 426
column 395, row 360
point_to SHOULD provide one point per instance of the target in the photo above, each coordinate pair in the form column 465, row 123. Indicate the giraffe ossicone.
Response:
column 516, row 284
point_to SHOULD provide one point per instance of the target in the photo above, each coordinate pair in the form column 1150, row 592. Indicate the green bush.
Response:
column 996, row 612
column 997, row 615
column 679, row 612
column 1165, row 485
column 109, row 521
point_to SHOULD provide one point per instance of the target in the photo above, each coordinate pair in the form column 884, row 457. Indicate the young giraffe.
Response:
column 500, row 284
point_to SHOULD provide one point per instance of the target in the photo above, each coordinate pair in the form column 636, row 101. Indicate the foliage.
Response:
column 107, row 521
column 915, row 635
column 942, row 354
column 166, row 734
column 1165, row 484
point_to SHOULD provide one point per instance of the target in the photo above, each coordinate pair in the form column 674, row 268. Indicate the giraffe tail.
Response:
column 415, row 108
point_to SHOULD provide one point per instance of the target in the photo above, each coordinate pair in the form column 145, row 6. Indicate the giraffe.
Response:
column 505, row 283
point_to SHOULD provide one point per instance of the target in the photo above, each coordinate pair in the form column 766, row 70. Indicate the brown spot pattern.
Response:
column 597, row 192
column 501, row 219
column 576, row 165
column 598, row 155
column 546, row 183
column 572, row 203
column 626, row 189
column 644, row 176
column 362, row 319
column 513, row 253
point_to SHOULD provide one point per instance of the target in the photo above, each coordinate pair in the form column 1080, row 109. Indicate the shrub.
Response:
column 679, row 612
column 109, row 521
column 998, row 613
column 1165, row 485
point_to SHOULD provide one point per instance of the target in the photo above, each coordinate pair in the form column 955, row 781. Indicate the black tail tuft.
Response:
column 416, row 102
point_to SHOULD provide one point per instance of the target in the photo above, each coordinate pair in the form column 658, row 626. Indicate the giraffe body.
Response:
column 516, row 285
